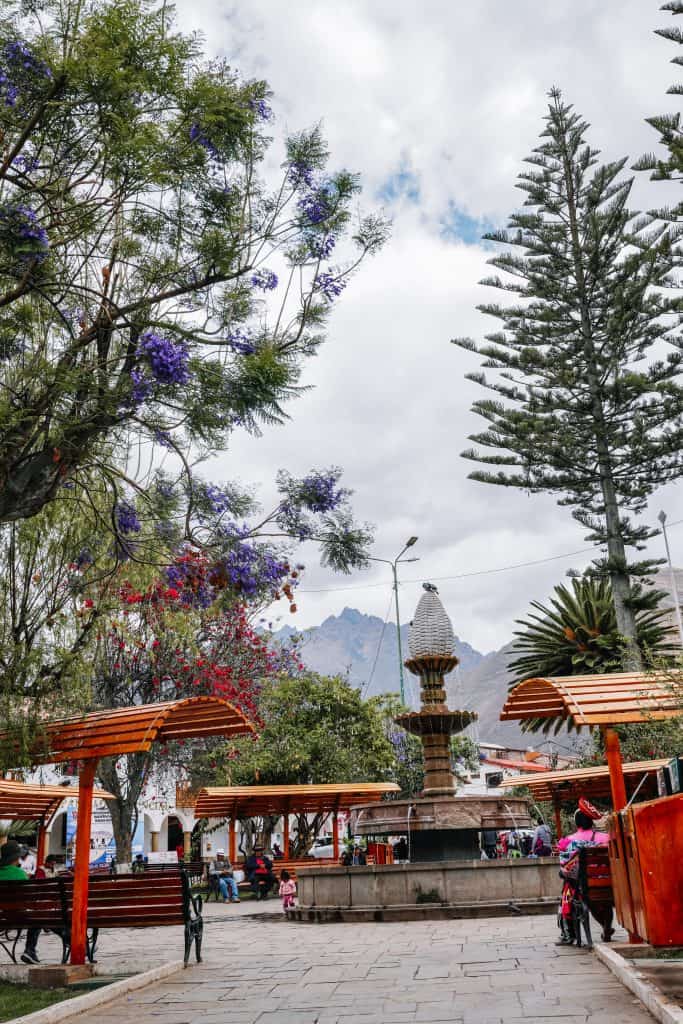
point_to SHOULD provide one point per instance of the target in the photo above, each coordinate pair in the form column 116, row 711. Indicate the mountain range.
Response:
column 364, row 650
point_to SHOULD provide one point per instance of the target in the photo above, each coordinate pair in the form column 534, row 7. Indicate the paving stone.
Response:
column 268, row 971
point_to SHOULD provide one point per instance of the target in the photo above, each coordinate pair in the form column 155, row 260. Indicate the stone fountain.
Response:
column 439, row 824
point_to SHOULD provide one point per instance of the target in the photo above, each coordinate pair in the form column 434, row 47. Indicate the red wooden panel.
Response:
column 657, row 834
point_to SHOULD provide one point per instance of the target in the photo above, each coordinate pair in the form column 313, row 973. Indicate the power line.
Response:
column 464, row 575
column 457, row 576
column 366, row 685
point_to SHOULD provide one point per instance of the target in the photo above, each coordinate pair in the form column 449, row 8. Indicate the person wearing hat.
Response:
column 586, row 834
column 220, row 872
column 27, row 860
column 259, row 871
column 10, row 871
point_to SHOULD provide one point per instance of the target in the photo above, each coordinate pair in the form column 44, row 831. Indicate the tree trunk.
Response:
column 616, row 552
column 122, row 824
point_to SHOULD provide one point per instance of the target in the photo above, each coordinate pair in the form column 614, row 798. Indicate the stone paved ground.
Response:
column 269, row 971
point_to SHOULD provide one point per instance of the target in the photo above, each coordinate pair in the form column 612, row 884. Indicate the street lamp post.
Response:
column 662, row 519
column 394, row 564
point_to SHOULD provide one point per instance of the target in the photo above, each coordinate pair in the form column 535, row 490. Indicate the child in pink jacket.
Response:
column 287, row 890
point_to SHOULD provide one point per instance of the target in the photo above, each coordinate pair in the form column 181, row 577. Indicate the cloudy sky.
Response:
column 435, row 104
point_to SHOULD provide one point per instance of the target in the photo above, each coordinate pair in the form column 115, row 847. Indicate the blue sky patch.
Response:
column 457, row 226
column 404, row 184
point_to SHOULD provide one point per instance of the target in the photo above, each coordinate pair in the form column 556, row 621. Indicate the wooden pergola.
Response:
column 25, row 801
column 593, row 782
column 600, row 701
column 87, row 738
column 235, row 802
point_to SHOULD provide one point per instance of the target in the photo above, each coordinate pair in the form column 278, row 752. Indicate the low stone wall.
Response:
column 465, row 884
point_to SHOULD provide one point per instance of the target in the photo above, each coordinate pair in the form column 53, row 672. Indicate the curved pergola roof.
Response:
column 593, row 782
column 134, row 729
column 614, row 699
column 24, row 801
column 253, row 801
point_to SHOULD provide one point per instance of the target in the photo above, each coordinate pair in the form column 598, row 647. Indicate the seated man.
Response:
column 220, row 873
column 10, row 871
column 354, row 858
column 259, row 871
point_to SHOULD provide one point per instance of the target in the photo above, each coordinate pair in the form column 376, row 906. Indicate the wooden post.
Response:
column 187, row 847
column 285, row 834
column 79, row 916
column 335, row 835
column 616, row 769
column 232, row 841
column 41, row 845
column 154, row 842
column 557, row 807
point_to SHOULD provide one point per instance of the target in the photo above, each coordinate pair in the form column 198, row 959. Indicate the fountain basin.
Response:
column 449, row 889
column 441, row 827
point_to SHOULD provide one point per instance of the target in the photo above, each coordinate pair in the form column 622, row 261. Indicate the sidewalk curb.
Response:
column 69, row 1008
column 662, row 1008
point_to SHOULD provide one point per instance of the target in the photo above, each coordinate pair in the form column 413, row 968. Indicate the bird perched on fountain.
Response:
column 430, row 588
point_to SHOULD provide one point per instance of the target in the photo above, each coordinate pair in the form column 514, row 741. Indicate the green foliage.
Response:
column 668, row 126
column 642, row 741
column 577, row 634
column 132, row 201
column 315, row 729
column 586, row 403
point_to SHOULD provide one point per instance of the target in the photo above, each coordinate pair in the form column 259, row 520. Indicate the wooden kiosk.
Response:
column 646, row 847
column 87, row 738
column 235, row 802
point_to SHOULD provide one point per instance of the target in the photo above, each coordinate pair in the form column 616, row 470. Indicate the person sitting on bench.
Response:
column 10, row 871
column 259, row 872
column 220, row 874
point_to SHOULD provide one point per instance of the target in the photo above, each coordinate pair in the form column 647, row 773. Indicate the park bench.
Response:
column 145, row 900
column 33, row 904
column 595, row 881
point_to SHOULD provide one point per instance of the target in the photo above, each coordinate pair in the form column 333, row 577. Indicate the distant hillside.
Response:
column 348, row 645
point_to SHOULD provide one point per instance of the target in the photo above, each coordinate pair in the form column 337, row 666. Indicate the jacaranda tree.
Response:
column 157, row 291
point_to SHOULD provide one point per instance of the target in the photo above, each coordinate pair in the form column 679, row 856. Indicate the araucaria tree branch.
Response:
column 588, row 403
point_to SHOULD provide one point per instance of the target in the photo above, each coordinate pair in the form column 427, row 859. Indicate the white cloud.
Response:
column 453, row 92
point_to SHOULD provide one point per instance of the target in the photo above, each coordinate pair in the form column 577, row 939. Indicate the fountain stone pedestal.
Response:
column 440, row 824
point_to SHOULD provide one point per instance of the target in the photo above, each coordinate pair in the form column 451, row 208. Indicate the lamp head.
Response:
column 411, row 541
column 662, row 517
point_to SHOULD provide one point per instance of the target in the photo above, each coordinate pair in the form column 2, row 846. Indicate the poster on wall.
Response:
column 102, row 842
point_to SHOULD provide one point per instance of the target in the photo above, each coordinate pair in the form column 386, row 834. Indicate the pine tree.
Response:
column 668, row 126
column 587, row 403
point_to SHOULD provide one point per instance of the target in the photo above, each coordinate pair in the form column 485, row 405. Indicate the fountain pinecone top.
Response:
column 431, row 632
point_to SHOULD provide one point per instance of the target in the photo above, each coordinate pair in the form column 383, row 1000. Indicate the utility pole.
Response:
column 662, row 519
column 394, row 568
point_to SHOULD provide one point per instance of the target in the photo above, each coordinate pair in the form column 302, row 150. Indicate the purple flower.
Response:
column 22, row 233
column 317, row 492
column 261, row 109
column 162, row 438
column 321, row 246
column 142, row 387
column 315, row 206
column 331, row 285
column 239, row 341
column 197, row 134
column 126, row 518
column 219, row 501
column 301, row 173
column 168, row 360
column 19, row 70
column 264, row 279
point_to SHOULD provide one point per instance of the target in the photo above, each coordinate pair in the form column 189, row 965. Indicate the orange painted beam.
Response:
column 616, row 769
column 79, row 916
